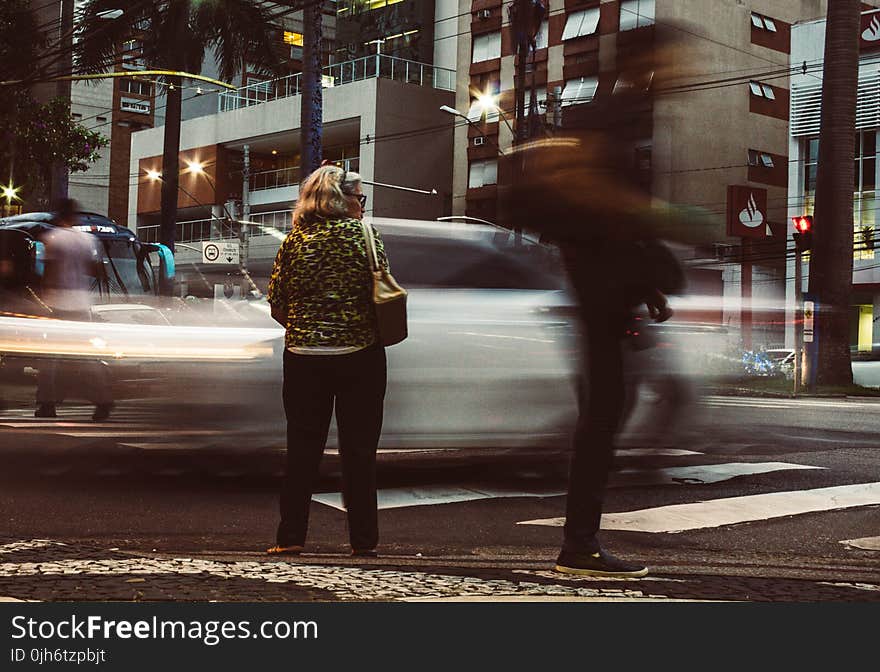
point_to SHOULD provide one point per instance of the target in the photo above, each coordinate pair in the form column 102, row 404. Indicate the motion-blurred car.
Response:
column 490, row 361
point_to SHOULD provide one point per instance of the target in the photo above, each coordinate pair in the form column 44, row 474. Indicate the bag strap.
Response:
column 371, row 246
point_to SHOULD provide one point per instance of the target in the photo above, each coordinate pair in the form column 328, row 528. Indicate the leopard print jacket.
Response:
column 321, row 280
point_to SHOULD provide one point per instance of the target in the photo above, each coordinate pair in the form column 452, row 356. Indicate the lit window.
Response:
column 578, row 24
column 636, row 14
column 763, row 22
column 579, row 90
column 487, row 46
column 483, row 173
column 295, row 39
column 762, row 90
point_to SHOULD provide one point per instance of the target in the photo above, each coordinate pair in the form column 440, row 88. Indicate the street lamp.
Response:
column 456, row 113
column 487, row 103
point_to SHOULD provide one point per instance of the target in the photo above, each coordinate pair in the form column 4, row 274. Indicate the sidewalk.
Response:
column 48, row 570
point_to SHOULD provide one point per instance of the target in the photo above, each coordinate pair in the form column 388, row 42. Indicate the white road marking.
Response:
column 711, row 473
column 639, row 452
column 734, row 510
column 17, row 546
column 865, row 543
column 858, row 586
column 393, row 498
column 837, row 404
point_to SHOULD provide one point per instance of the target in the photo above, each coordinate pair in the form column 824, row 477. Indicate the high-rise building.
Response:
column 807, row 47
column 714, row 134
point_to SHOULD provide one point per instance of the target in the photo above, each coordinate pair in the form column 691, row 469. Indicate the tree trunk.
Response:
column 831, row 263
column 311, row 110
column 170, row 163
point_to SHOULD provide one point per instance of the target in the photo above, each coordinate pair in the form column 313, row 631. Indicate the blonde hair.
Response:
column 322, row 194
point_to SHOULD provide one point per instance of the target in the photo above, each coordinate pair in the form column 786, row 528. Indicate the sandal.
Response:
column 284, row 550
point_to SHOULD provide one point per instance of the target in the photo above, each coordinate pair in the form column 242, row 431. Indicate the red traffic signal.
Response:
column 803, row 230
column 803, row 224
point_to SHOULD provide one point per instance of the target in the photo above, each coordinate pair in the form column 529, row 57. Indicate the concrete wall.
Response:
column 93, row 101
column 411, row 151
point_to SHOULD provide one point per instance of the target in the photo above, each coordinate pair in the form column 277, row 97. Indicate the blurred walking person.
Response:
column 73, row 262
column 584, row 193
column 320, row 291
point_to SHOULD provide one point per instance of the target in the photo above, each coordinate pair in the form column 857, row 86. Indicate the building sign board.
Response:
column 747, row 212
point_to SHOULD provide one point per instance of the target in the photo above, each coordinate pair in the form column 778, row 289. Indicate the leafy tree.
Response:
column 176, row 35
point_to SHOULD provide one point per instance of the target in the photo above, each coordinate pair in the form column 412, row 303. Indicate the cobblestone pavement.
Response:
column 44, row 569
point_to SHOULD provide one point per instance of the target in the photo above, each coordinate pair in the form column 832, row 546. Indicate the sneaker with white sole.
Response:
column 598, row 564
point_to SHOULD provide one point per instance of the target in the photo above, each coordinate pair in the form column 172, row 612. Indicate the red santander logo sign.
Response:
column 869, row 33
column 747, row 212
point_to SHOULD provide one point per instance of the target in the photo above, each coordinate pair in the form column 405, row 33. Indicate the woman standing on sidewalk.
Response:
column 320, row 291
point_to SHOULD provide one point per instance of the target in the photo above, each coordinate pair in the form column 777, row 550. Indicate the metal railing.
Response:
column 287, row 177
column 337, row 74
column 197, row 230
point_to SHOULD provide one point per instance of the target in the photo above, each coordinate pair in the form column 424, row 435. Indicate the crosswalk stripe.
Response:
column 393, row 498
column 708, row 473
column 733, row 510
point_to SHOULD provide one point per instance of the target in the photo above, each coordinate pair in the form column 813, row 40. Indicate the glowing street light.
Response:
column 10, row 193
column 154, row 175
column 195, row 167
column 487, row 103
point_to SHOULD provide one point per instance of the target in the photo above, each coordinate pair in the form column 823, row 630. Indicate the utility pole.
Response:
column 312, row 103
column 831, row 260
column 60, row 176
column 243, row 232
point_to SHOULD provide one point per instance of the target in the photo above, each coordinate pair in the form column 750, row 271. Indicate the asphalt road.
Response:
column 752, row 499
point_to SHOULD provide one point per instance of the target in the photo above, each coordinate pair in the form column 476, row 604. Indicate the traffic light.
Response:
column 803, row 232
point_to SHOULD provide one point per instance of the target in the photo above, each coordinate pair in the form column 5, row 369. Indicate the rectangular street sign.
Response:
column 219, row 251
column 809, row 313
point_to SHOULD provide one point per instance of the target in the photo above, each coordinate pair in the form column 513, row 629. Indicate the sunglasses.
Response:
column 362, row 199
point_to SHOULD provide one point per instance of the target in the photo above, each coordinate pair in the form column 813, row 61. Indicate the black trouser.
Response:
column 601, row 403
column 312, row 383
column 60, row 378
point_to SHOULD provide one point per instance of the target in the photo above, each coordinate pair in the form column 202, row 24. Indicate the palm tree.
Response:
column 831, row 263
column 175, row 35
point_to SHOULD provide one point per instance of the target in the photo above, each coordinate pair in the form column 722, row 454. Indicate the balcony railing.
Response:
column 337, row 74
column 286, row 177
column 197, row 230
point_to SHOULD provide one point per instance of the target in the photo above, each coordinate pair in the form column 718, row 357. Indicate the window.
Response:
column 636, row 14
column 763, row 22
column 474, row 263
column 579, row 90
column 476, row 112
column 483, row 173
column 487, row 46
column 136, row 105
column 865, row 195
column 132, row 55
column 135, row 86
column 542, row 39
column 760, row 159
column 762, row 90
column 578, row 24
column 294, row 39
